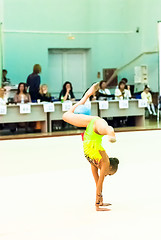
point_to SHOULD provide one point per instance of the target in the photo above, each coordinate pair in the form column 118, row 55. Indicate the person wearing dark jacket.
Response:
column 43, row 94
column 67, row 92
column 33, row 82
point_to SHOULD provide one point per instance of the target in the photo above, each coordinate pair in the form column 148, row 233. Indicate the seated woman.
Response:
column 3, row 99
column 159, row 105
column 103, row 92
column 148, row 97
column 22, row 96
column 44, row 95
column 2, row 102
column 67, row 92
column 122, row 93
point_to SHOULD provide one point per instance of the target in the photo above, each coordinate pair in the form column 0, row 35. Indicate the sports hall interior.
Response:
column 82, row 42
column 47, row 190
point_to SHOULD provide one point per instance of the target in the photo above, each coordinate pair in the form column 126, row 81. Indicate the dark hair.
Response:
column 18, row 90
column 114, row 163
column 4, row 70
column 125, row 80
column 121, row 82
column 101, row 83
column 146, row 87
column 26, row 86
column 64, row 87
column 63, row 91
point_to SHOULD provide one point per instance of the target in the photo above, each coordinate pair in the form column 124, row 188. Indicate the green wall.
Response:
column 108, row 50
column 145, row 14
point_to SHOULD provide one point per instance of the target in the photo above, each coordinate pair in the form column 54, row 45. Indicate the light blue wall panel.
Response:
column 114, row 48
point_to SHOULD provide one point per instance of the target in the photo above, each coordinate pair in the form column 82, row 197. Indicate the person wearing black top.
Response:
column 43, row 94
column 67, row 92
column 33, row 82
column 5, row 81
column 104, row 93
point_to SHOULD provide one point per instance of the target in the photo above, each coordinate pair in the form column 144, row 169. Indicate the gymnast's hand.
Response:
column 94, row 88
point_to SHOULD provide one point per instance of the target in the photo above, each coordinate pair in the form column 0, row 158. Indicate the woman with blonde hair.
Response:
column 33, row 82
column 44, row 95
column 2, row 96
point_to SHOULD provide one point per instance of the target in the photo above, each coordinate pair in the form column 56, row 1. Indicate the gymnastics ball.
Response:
column 82, row 109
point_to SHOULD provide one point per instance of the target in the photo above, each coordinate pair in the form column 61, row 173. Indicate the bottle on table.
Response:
column 22, row 99
column 62, row 99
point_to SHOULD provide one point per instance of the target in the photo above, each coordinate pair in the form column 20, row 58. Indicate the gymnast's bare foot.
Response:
column 98, row 208
column 102, row 203
column 105, row 204
column 94, row 88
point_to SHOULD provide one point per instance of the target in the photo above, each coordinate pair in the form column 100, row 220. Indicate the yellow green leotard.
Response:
column 92, row 144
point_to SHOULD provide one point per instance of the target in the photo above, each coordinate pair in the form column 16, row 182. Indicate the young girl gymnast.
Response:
column 96, row 128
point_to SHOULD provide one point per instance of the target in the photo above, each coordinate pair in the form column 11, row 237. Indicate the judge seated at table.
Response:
column 103, row 93
column 43, row 94
column 3, row 99
column 122, row 93
column 22, row 96
column 67, row 92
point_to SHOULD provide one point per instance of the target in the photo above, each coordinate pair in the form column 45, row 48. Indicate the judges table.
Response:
column 54, row 111
column 37, row 113
column 58, row 113
column 114, row 110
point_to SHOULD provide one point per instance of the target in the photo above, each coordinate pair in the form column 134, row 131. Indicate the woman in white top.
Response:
column 103, row 91
column 148, row 97
column 122, row 93
column 3, row 99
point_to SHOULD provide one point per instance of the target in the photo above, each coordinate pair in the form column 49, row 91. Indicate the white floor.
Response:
column 47, row 191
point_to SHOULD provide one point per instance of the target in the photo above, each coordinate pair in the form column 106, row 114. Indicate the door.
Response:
column 67, row 65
